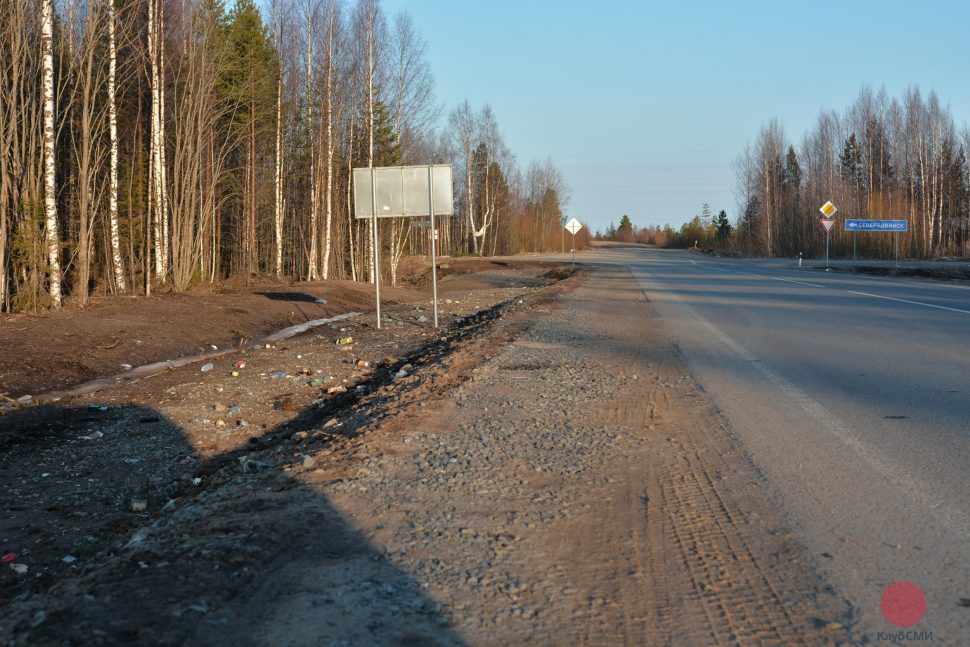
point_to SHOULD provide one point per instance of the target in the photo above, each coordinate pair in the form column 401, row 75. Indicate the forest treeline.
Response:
column 882, row 158
column 174, row 142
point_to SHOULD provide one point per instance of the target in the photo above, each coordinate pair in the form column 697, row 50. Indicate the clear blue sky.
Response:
column 644, row 105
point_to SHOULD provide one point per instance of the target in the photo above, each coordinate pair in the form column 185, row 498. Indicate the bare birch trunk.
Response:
column 370, row 130
column 350, row 205
column 328, row 237
column 278, row 179
column 154, row 172
column 50, row 201
column 312, row 274
column 162, row 164
column 119, row 269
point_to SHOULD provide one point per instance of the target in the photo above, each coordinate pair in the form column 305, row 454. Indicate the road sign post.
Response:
column 828, row 220
column 573, row 227
column 873, row 224
column 403, row 192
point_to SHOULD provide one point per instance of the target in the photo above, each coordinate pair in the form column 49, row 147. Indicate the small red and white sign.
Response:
column 827, row 223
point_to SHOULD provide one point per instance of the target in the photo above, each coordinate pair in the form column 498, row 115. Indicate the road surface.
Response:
column 852, row 396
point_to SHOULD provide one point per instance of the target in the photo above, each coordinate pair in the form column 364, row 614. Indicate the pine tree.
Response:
column 723, row 226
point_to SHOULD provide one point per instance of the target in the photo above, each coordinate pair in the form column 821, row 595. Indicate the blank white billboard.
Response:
column 402, row 191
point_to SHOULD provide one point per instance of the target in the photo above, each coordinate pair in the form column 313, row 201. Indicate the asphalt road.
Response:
column 852, row 396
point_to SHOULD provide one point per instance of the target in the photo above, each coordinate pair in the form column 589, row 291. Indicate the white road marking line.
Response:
column 818, row 285
column 915, row 303
column 951, row 517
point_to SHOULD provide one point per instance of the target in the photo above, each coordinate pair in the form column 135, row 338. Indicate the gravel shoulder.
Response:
column 544, row 471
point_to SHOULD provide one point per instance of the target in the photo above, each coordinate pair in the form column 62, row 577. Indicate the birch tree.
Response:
column 50, row 195
column 119, row 270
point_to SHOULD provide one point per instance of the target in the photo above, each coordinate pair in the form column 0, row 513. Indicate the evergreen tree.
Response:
column 625, row 232
column 723, row 226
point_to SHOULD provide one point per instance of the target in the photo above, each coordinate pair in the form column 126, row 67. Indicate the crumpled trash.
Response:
column 240, row 363
column 336, row 389
column 139, row 505
column 93, row 436
column 278, row 375
column 344, row 341
column 69, row 559
column 97, row 407
column 320, row 381
column 7, row 558
column 208, row 366
column 20, row 569
column 235, row 409
column 321, row 301
column 126, row 367
column 25, row 399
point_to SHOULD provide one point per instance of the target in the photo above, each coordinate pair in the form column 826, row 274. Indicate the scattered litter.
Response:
column 242, row 423
column 321, row 301
column 299, row 436
column 20, row 569
column 247, row 464
column 320, row 381
column 343, row 341
column 363, row 363
column 214, row 347
column 197, row 480
column 220, row 423
column 199, row 608
column 422, row 319
column 308, row 461
column 38, row 619
column 169, row 505
column 305, row 371
column 138, row 538
column 97, row 407
column 199, row 421
column 69, row 559
column 126, row 367
column 219, row 407
column 267, row 346
column 234, row 373
column 139, row 505
column 134, row 460
column 389, row 360
column 336, row 389
column 234, row 410
column 333, row 422
column 93, row 436
column 278, row 375
column 241, row 363
column 7, row 558
column 208, row 366
column 403, row 373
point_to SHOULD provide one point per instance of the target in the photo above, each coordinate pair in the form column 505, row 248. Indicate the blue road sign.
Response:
column 877, row 225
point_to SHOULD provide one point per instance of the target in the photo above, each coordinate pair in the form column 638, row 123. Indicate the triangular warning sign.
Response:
column 827, row 223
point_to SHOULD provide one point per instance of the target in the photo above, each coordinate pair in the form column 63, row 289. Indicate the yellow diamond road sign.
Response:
column 828, row 209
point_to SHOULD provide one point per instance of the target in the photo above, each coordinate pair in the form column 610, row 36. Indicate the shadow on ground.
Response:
column 227, row 549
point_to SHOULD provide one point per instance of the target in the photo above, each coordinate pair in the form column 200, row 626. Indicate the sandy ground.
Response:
column 543, row 469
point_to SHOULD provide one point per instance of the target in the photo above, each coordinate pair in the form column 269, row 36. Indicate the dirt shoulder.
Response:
column 545, row 470
column 56, row 349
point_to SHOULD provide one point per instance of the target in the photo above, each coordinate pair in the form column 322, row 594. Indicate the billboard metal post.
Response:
column 377, row 258
column 434, row 244
column 826, row 249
